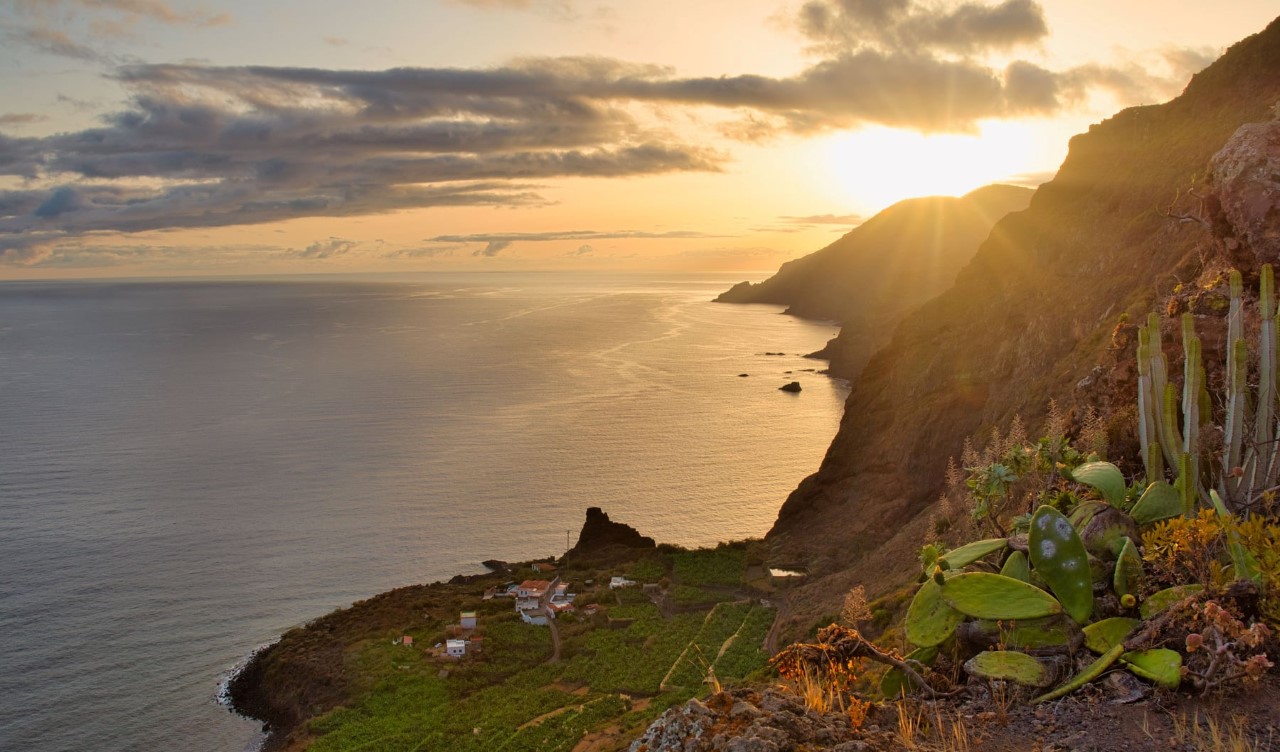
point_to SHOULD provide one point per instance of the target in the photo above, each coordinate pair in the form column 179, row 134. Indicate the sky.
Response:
column 199, row 137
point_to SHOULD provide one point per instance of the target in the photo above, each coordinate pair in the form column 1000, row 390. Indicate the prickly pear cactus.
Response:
column 1128, row 574
column 992, row 596
column 1016, row 566
column 1101, row 636
column 1103, row 476
column 1059, row 555
column 1009, row 665
column 930, row 620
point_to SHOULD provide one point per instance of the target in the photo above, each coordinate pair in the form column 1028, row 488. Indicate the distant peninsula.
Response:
column 884, row 268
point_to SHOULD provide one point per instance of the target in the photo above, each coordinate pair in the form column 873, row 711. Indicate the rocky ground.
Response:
column 1113, row 715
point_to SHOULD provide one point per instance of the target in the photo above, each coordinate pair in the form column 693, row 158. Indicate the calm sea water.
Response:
column 187, row 469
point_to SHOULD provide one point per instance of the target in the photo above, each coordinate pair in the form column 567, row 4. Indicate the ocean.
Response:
column 189, row 468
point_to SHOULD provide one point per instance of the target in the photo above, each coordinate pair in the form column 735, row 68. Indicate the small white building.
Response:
column 455, row 648
column 617, row 582
column 532, row 589
column 468, row 620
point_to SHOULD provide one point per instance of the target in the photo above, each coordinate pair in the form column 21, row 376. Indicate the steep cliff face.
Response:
column 1028, row 319
column 883, row 269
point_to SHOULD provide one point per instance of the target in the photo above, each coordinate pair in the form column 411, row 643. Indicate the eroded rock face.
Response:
column 1245, row 176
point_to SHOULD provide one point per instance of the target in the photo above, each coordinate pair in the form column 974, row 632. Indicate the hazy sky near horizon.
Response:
column 159, row 137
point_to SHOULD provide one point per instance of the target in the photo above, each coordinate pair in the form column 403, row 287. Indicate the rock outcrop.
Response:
column 875, row 274
column 746, row 720
column 602, row 540
column 1028, row 319
column 1244, row 200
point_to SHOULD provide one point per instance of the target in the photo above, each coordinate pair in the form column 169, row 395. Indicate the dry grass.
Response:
column 818, row 693
column 1215, row 735
column 917, row 731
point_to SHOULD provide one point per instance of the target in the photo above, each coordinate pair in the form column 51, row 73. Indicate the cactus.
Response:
column 1166, row 428
column 1101, row 636
column 1058, row 554
column 1264, row 428
column 1009, row 665
column 971, row 552
column 1233, row 431
column 1159, row 502
column 1160, row 665
column 1016, row 566
column 1192, row 388
column 1105, row 534
column 992, row 596
column 1185, row 486
column 1128, row 573
column 1250, row 458
column 1103, row 476
column 930, row 620
column 1157, row 603
column 1027, row 634
column 1246, row 567
column 1091, row 672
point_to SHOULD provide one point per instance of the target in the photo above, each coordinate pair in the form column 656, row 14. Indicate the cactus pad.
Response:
column 1103, row 476
column 1009, row 665
column 1161, row 665
column 1058, row 554
column 992, row 596
column 930, row 620
column 1159, row 502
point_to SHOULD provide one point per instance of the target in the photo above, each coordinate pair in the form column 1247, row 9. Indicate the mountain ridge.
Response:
column 879, row 271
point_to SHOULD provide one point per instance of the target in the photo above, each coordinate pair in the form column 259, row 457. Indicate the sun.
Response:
column 876, row 167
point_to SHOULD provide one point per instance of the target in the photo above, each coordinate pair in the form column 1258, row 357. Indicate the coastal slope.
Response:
column 881, row 270
column 1028, row 319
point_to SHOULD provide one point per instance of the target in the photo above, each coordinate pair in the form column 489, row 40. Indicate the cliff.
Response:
column 1028, row 319
column 881, row 270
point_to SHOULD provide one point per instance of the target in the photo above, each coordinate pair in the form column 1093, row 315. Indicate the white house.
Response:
column 617, row 582
column 455, row 648
column 468, row 620
column 532, row 589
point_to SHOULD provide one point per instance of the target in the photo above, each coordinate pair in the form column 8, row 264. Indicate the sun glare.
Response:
column 876, row 167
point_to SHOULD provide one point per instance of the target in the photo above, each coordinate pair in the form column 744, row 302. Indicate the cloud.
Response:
column 825, row 219
column 495, row 243
column 897, row 25
column 21, row 118
column 324, row 249
column 51, row 27
column 130, row 10
column 493, row 248
column 559, row 9
column 582, row 250
column 209, row 146
column 542, row 237
column 53, row 42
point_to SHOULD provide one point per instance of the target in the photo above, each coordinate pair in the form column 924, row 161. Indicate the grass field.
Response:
column 510, row 698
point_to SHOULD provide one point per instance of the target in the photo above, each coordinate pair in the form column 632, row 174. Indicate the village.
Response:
column 537, row 653
column 538, row 602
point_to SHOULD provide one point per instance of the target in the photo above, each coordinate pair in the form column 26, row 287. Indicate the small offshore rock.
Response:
column 792, row 387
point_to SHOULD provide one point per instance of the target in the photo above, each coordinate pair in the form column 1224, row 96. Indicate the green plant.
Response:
column 1249, row 464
